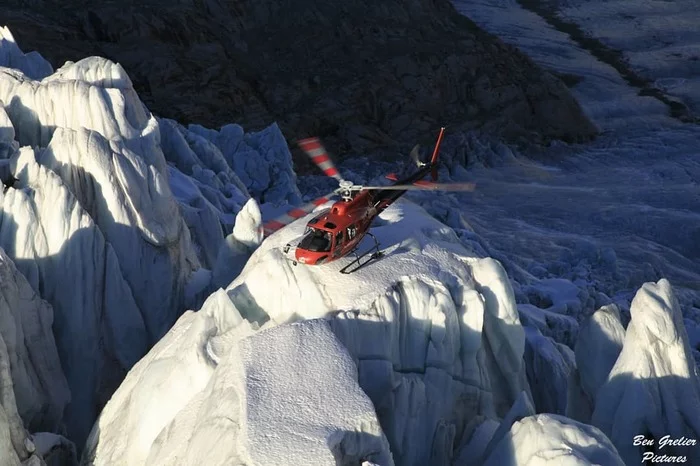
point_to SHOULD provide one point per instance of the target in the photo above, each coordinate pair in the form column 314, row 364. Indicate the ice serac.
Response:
column 426, row 324
column 56, row 245
column 15, row 446
column 549, row 366
column 246, row 236
column 7, row 131
column 122, row 193
column 200, row 215
column 598, row 346
column 198, row 158
column 504, row 339
column 655, row 370
column 162, row 384
column 40, row 388
column 105, row 145
column 261, row 159
column 520, row 409
column 8, row 145
column 33, row 389
column 287, row 395
column 339, row 425
column 209, row 192
column 31, row 64
column 549, row 439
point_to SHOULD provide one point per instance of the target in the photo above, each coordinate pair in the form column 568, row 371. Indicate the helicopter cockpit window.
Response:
column 316, row 241
column 339, row 237
column 351, row 232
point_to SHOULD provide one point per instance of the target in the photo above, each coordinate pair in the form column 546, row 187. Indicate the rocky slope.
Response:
column 361, row 74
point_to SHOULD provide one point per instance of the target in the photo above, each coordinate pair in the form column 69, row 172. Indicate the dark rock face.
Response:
column 362, row 74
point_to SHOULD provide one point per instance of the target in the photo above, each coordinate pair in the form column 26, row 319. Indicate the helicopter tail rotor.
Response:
column 415, row 156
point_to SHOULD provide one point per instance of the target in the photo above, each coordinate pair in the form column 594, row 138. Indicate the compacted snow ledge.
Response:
column 318, row 412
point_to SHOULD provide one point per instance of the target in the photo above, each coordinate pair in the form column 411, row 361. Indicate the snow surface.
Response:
column 319, row 423
column 608, row 215
column 604, row 95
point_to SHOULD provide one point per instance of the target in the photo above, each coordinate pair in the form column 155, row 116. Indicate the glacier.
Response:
column 102, row 142
column 465, row 344
column 430, row 332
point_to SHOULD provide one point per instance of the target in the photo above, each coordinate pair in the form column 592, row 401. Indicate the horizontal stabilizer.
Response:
column 392, row 177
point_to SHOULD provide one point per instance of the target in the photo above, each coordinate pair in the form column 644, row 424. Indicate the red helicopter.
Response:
column 336, row 231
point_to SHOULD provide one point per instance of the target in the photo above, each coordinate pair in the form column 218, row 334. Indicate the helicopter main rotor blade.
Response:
column 296, row 213
column 423, row 187
column 319, row 155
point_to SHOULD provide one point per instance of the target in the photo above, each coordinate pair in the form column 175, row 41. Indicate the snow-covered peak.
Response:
column 655, row 370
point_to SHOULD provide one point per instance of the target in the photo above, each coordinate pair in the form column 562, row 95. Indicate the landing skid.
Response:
column 363, row 259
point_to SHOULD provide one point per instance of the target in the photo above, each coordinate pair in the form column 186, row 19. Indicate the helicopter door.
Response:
column 338, row 243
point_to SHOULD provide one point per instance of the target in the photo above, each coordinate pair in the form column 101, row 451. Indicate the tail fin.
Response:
column 436, row 151
column 415, row 156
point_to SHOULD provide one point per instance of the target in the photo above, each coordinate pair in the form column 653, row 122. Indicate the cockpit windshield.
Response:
column 316, row 241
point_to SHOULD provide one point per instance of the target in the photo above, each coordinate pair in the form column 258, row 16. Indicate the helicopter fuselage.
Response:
column 337, row 231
